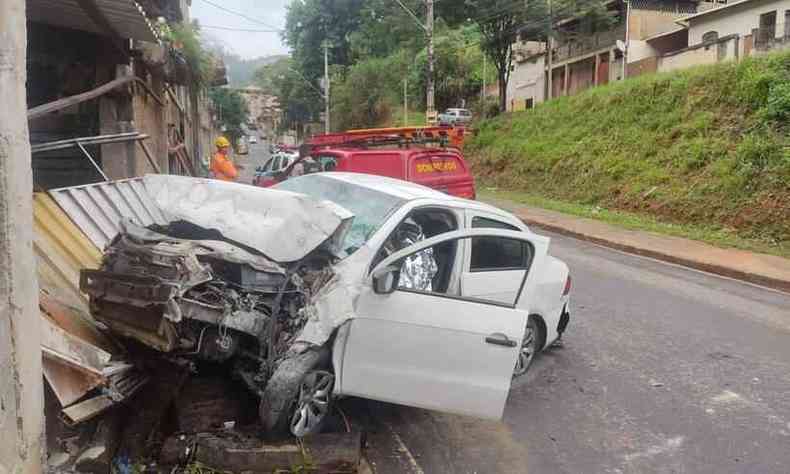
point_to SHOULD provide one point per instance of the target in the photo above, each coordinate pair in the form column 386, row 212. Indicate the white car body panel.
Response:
column 429, row 350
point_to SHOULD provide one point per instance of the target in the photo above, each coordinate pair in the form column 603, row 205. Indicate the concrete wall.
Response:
column 21, row 390
column 645, row 23
column 527, row 81
column 739, row 19
column 726, row 49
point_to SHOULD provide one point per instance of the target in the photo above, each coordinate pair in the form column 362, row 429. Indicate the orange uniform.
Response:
column 223, row 168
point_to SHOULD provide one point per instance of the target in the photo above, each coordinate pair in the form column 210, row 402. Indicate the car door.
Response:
column 493, row 268
column 434, row 350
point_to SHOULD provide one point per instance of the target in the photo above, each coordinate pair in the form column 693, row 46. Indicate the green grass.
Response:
column 703, row 153
column 710, row 234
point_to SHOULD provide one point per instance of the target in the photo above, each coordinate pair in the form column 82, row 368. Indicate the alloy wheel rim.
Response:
column 315, row 396
column 526, row 352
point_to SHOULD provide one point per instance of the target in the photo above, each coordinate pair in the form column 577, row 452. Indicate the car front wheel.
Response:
column 298, row 396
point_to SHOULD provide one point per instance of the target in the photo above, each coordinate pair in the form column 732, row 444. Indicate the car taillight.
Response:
column 567, row 289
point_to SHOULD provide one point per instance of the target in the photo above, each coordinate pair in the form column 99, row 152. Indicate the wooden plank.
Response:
column 59, row 344
column 151, row 160
column 69, row 101
column 68, row 383
column 88, row 409
column 323, row 453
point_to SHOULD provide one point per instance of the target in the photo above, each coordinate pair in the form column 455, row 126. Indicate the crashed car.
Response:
column 336, row 284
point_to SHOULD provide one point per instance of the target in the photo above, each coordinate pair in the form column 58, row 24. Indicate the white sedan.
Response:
column 335, row 284
column 446, row 297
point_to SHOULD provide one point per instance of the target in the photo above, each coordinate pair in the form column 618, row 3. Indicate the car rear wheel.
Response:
column 529, row 347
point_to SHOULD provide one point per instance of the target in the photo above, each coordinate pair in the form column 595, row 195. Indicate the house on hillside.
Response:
column 729, row 31
column 645, row 36
column 585, row 54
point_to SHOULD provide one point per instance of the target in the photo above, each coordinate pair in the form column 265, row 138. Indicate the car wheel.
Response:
column 298, row 396
column 314, row 403
column 529, row 347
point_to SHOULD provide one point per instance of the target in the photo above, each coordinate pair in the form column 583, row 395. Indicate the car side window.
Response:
column 497, row 253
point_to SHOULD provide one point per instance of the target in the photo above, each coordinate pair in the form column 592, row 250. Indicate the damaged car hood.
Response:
column 283, row 226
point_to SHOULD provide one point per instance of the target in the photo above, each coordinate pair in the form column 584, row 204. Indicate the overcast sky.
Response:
column 263, row 15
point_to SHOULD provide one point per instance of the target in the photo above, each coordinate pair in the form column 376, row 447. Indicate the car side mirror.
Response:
column 385, row 280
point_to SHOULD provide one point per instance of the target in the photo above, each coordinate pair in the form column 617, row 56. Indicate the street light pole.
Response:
column 326, row 87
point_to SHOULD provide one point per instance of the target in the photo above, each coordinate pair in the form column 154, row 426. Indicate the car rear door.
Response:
column 493, row 268
column 435, row 350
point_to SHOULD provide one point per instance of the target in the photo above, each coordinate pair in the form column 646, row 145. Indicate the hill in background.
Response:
column 708, row 146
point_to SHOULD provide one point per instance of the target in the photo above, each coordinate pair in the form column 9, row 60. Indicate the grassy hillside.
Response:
column 708, row 146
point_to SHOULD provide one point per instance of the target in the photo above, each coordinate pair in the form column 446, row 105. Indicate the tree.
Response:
column 299, row 98
column 499, row 21
column 232, row 111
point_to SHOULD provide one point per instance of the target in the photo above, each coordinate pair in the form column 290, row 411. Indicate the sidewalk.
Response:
column 766, row 270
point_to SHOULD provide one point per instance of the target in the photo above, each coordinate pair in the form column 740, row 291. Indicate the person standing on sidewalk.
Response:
column 222, row 167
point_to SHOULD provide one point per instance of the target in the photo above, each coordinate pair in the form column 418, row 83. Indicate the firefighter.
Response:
column 222, row 167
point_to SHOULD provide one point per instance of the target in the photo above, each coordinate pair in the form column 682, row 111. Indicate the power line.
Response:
column 227, row 28
column 241, row 15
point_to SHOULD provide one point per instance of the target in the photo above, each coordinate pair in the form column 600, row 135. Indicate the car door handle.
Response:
column 500, row 339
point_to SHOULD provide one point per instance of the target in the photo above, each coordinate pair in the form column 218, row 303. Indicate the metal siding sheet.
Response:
column 126, row 16
column 98, row 208
column 62, row 250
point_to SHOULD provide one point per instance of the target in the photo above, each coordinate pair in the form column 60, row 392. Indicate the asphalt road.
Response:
column 663, row 370
column 258, row 156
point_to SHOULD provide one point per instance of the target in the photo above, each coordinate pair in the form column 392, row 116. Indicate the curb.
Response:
column 758, row 279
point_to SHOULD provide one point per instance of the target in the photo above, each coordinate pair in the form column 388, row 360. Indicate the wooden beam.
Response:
column 65, row 102
column 150, row 157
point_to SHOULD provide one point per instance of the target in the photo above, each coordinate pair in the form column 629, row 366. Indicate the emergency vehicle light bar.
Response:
column 452, row 135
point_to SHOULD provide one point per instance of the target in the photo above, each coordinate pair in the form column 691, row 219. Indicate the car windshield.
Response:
column 370, row 207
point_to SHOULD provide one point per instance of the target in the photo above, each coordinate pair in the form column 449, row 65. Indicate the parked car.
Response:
column 383, row 289
column 443, row 169
column 455, row 117
column 242, row 148
column 277, row 163
column 253, row 139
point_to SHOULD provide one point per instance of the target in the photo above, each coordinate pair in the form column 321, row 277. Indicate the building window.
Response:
column 710, row 36
column 529, row 103
column 767, row 31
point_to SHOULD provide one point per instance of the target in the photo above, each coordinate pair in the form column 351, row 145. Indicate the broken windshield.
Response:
column 370, row 207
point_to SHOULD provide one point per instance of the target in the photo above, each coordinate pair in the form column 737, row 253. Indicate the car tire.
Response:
column 298, row 397
column 530, row 346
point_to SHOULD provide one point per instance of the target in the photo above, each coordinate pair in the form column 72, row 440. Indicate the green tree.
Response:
column 298, row 97
column 232, row 111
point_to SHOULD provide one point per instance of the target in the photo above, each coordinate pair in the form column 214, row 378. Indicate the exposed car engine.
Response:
column 204, row 296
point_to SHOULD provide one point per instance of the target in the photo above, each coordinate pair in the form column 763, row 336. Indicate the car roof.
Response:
column 407, row 190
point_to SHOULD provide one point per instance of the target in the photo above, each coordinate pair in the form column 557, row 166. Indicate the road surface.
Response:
column 663, row 370
column 258, row 156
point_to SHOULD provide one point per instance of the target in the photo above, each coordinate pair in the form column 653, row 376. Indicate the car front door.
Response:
column 433, row 350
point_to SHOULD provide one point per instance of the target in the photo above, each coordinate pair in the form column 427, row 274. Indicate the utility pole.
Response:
column 483, row 91
column 429, row 31
column 428, row 27
column 550, row 54
column 405, row 102
column 326, row 87
column 22, row 407
column 625, row 47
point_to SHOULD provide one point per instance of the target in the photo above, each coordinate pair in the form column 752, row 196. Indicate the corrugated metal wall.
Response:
column 62, row 250
column 98, row 208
